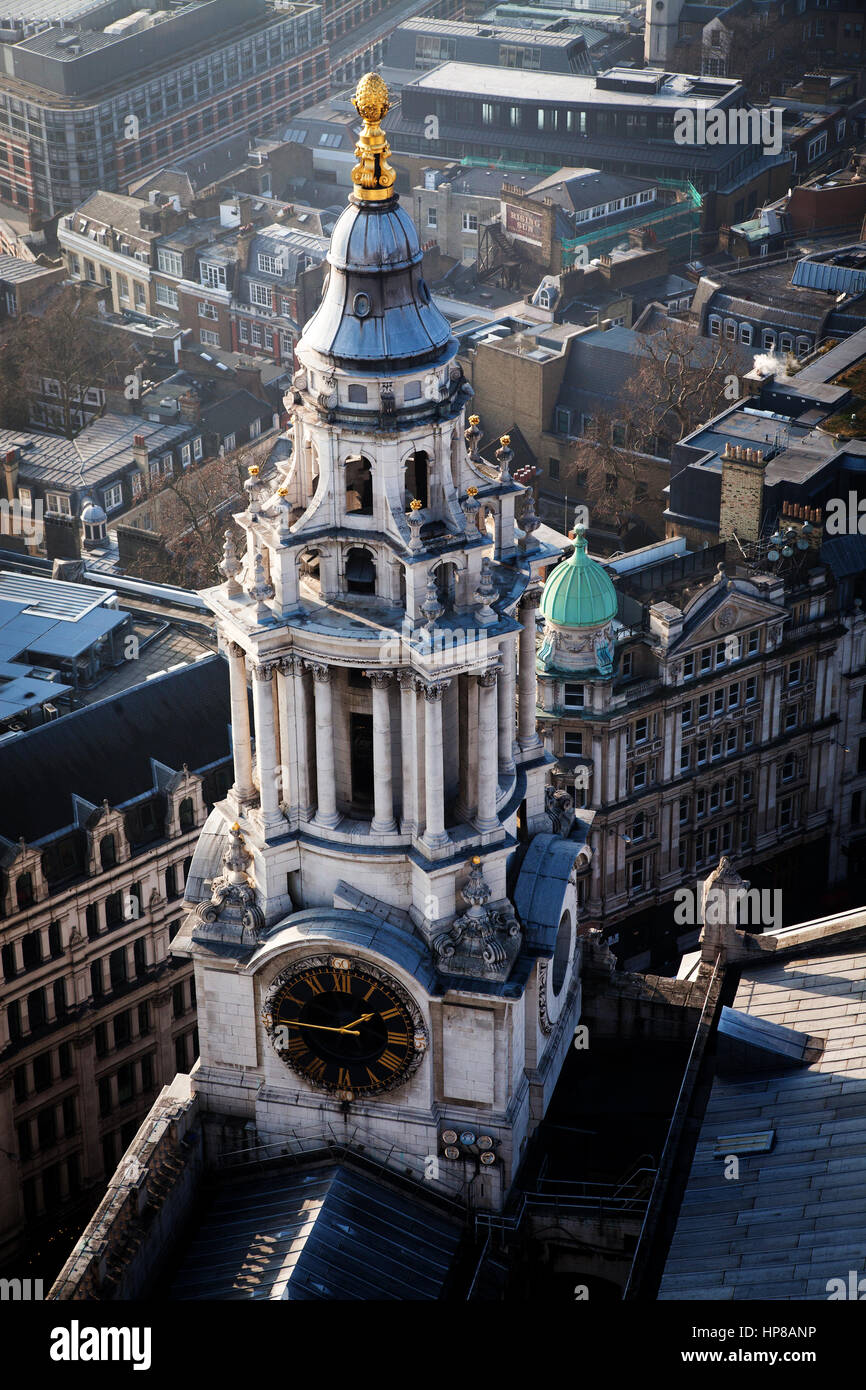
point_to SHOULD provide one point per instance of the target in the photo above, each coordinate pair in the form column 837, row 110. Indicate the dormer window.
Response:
column 271, row 265
column 213, row 275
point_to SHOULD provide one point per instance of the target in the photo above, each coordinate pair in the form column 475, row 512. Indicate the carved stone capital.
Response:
column 263, row 670
column 488, row 678
column 407, row 680
column 290, row 665
column 321, row 673
column 235, row 649
column 531, row 599
column 380, row 680
column 434, row 690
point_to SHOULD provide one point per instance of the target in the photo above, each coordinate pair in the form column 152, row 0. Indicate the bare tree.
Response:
column 193, row 510
column 620, row 463
column 68, row 347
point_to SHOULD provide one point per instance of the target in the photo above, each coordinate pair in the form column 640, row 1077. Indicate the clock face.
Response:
column 344, row 1025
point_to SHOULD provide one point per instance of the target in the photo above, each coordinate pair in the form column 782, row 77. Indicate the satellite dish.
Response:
column 773, row 554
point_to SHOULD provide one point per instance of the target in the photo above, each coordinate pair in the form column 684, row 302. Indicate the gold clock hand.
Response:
column 363, row 1019
column 322, row 1027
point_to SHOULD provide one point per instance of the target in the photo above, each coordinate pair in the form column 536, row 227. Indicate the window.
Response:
column 639, row 778
column 754, row 642
column 139, row 957
column 208, row 338
column 626, row 664
column 816, row 147
column 357, row 394
column 730, row 330
column 685, row 758
column 432, row 219
column 786, row 342
column 768, row 340
column 214, row 276
column 185, row 455
column 636, row 874
column 169, row 262
column 164, row 294
column 112, row 497
column 701, row 754
column 795, row 670
column 123, row 287
column 641, row 730
column 574, row 695
column 733, row 696
column 58, row 502
column 706, row 660
column 704, row 707
column 206, row 310
column 271, row 265
column 553, row 469
column 688, row 667
column 573, row 745
column 687, row 715
column 470, row 222
column 718, row 702
column 684, row 810
column 748, row 735
column 790, row 719
column 746, row 333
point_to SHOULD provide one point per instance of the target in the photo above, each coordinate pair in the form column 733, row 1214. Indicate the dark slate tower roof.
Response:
column 376, row 305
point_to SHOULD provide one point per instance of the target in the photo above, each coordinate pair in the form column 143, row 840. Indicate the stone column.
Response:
column 264, row 714
column 507, row 703
column 326, row 781
column 302, row 765
column 287, row 754
column 241, row 749
column 409, row 743
column 434, row 771
column 383, row 822
column 527, row 735
column 486, row 818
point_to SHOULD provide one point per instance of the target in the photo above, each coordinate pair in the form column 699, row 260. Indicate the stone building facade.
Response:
column 701, row 724
column 95, row 1015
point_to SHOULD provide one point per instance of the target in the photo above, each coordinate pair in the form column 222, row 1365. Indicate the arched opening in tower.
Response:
column 360, row 571
column 446, row 585
column 359, row 486
column 416, row 478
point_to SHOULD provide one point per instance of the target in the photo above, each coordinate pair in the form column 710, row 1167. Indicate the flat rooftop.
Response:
column 522, row 84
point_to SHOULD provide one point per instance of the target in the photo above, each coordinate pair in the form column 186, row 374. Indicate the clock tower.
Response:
column 383, row 925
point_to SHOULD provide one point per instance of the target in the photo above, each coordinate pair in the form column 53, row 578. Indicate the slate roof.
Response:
column 796, row 1217
column 327, row 1233
column 104, row 752
column 236, row 412
column 113, row 210
column 12, row 268
column 101, row 450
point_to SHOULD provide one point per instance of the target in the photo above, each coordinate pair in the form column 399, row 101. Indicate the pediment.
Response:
column 718, row 617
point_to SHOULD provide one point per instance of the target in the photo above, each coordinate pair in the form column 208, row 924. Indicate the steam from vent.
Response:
column 767, row 363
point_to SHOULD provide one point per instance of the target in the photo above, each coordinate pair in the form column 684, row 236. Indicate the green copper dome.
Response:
column 579, row 593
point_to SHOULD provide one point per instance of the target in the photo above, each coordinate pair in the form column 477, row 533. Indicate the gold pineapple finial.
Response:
column 372, row 176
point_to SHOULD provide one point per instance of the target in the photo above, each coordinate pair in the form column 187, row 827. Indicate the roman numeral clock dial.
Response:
column 345, row 1026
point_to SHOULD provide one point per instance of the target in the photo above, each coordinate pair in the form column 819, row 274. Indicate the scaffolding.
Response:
column 670, row 225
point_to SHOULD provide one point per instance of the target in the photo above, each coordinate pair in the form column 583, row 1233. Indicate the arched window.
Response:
column 417, row 478
column 746, row 334
column 186, row 814
column 714, row 323
column 108, row 852
column 360, row 571
column 359, row 486
column 561, row 953
column 24, row 890
column 446, row 585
